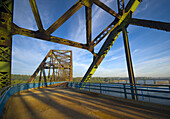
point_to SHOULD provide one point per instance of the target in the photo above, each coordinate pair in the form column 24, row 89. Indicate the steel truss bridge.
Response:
column 58, row 65
column 122, row 20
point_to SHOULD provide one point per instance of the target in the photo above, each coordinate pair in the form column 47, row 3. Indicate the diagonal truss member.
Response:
column 122, row 20
column 56, row 66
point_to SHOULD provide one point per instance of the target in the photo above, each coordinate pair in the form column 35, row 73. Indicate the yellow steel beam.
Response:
column 129, row 64
column 71, row 67
column 104, row 33
column 87, row 3
column 67, row 42
column 5, row 2
column 55, row 67
column 6, row 19
column 7, row 7
column 150, row 24
column 43, row 36
column 100, row 56
column 88, row 11
column 36, row 15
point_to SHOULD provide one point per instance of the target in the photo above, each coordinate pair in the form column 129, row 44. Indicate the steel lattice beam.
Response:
column 6, row 20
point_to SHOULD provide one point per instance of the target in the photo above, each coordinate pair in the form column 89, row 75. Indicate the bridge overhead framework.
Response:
column 122, row 20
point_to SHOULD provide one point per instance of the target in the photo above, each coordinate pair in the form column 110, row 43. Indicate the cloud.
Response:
column 135, row 51
column 111, row 72
column 23, row 15
column 112, row 58
column 84, row 66
column 142, row 6
column 155, row 67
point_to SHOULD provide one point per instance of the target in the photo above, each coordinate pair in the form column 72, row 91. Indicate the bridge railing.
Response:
column 8, row 91
column 149, row 93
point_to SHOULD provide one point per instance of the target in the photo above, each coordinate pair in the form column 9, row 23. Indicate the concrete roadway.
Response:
column 66, row 103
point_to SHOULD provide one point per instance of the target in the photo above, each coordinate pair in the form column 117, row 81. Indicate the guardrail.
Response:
column 149, row 93
column 8, row 91
column 138, row 81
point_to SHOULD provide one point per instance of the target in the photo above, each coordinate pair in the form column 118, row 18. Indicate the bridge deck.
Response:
column 59, row 103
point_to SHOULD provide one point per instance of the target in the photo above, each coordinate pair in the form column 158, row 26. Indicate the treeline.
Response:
column 17, row 78
column 20, row 77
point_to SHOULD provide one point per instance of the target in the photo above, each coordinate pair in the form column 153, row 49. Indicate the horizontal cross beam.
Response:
column 150, row 24
column 44, row 36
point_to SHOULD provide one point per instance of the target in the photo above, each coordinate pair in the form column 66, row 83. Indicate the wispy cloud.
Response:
column 23, row 15
column 112, row 58
column 116, row 72
column 155, row 67
column 142, row 7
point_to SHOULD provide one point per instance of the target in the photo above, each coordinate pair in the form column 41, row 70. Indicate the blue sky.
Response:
column 150, row 48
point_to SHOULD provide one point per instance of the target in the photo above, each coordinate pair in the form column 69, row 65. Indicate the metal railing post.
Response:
column 124, row 86
column 100, row 89
column 89, row 86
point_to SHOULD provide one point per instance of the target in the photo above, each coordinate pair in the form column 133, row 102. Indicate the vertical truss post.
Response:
column 6, row 20
column 40, row 78
column 129, row 65
column 49, row 69
column 58, row 74
column 71, row 68
column 53, row 69
column 64, row 73
column 54, row 75
column 45, row 80
column 88, row 24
